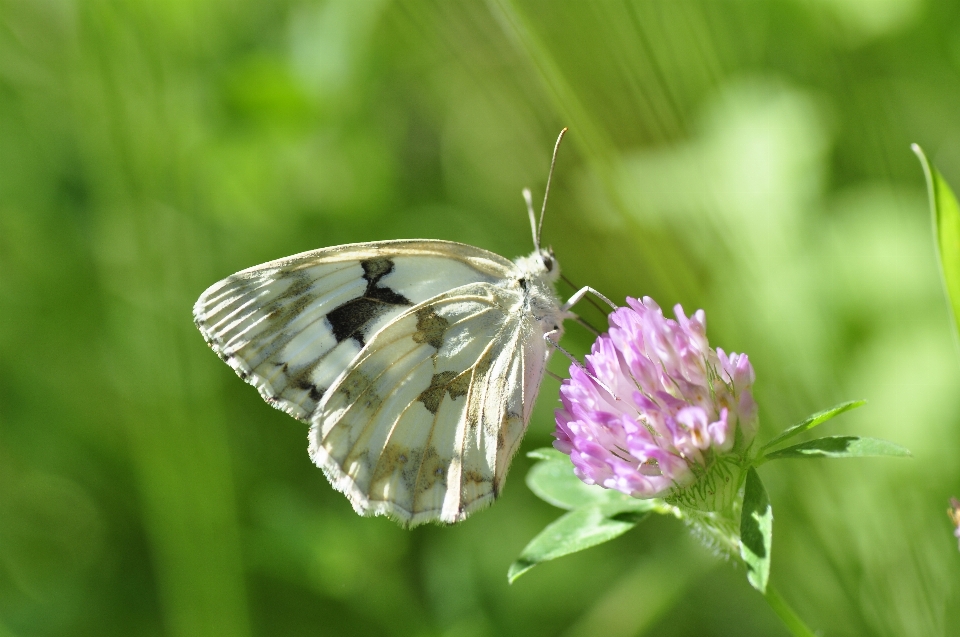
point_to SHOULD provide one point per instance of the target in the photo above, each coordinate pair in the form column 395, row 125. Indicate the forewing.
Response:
column 290, row 327
column 423, row 425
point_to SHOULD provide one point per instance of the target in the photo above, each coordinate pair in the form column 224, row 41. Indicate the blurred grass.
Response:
column 750, row 158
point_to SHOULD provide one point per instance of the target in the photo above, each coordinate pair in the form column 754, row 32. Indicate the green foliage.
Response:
column 597, row 515
column 812, row 421
column 840, row 447
column 946, row 229
column 553, row 481
column 744, row 157
column 787, row 615
column 831, row 446
column 580, row 529
column 756, row 531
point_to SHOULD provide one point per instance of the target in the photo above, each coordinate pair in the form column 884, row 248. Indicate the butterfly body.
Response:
column 416, row 363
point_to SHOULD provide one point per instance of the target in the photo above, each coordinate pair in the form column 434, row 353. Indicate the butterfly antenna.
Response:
column 533, row 218
column 546, row 193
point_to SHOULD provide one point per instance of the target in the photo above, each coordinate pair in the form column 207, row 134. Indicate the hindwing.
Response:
column 422, row 425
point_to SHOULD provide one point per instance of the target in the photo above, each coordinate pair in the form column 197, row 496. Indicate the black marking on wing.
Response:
column 376, row 268
column 430, row 328
column 316, row 393
column 350, row 319
column 444, row 382
column 302, row 381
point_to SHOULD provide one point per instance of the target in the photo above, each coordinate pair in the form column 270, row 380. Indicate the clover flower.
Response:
column 954, row 513
column 655, row 412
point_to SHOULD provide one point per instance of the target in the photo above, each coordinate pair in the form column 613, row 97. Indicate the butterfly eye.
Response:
column 548, row 262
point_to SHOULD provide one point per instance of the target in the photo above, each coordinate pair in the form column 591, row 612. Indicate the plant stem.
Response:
column 786, row 614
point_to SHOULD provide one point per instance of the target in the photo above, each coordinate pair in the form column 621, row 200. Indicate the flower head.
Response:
column 656, row 412
column 954, row 513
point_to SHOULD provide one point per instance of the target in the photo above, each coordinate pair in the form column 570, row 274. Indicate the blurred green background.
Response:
column 748, row 157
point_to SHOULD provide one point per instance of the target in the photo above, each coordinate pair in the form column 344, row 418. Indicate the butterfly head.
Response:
column 540, row 266
column 549, row 262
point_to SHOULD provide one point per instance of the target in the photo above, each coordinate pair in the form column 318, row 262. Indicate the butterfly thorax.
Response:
column 537, row 274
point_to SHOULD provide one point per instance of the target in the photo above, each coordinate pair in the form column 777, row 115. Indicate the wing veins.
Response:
column 270, row 346
column 472, row 369
column 251, row 295
column 480, row 416
column 407, row 407
column 402, row 336
column 230, row 287
column 471, row 390
column 238, row 336
column 236, row 287
column 433, row 426
column 522, row 362
column 370, row 385
column 229, row 317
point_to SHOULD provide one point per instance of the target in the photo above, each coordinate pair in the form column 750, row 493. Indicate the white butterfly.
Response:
column 416, row 362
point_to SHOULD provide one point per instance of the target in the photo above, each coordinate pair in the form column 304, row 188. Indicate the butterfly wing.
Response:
column 423, row 424
column 290, row 327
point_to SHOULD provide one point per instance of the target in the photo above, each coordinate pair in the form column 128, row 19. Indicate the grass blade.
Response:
column 946, row 230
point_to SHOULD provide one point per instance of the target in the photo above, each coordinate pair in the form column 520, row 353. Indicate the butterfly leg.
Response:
column 573, row 359
column 556, row 345
column 582, row 292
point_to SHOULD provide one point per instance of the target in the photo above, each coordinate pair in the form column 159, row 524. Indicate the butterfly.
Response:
column 415, row 362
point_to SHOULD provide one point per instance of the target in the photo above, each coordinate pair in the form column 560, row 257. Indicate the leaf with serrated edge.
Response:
column 841, row 447
column 946, row 229
column 812, row 421
column 572, row 532
column 756, row 531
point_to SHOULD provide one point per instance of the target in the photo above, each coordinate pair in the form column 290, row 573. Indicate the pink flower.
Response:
column 954, row 513
column 656, row 409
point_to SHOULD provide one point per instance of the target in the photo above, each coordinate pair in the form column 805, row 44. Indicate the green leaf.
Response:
column 756, row 531
column 576, row 531
column 554, row 482
column 840, row 447
column 946, row 228
column 812, row 421
column 547, row 453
